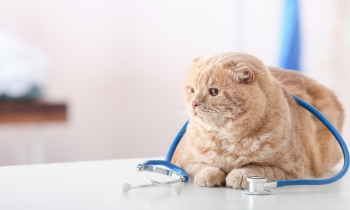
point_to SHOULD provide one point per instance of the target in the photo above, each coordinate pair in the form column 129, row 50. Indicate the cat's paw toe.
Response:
column 237, row 178
column 210, row 177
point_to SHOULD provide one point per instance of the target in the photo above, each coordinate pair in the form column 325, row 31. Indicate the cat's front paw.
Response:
column 210, row 177
column 237, row 178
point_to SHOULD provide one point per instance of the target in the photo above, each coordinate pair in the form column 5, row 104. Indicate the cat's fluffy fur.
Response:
column 253, row 126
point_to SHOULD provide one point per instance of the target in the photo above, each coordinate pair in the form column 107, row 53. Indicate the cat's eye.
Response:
column 191, row 90
column 214, row 91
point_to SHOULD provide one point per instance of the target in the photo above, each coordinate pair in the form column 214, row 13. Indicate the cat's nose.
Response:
column 194, row 104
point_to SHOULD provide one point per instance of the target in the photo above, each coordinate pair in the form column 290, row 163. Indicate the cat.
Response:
column 243, row 122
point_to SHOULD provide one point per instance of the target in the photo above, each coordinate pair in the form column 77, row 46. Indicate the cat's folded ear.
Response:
column 196, row 59
column 244, row 74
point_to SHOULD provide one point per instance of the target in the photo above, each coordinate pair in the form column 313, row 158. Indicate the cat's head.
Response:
column 226, row 87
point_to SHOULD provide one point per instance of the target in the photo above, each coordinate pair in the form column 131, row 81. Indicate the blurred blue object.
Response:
column 290, row 44
column 33, row 92
column 23, row 68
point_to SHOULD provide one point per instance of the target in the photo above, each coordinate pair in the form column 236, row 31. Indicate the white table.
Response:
column 96, row 185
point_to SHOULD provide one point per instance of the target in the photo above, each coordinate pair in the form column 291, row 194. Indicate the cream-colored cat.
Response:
column 243, row 122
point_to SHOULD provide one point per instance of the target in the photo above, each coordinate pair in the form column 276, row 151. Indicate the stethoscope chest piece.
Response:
column 162, row 167
column 256, row 186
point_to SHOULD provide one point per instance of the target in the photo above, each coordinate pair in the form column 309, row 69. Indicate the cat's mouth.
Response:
column 195, row 111
column 205, row 115
column 198, row 112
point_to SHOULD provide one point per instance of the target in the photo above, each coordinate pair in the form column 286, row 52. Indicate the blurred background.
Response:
column 117, row 67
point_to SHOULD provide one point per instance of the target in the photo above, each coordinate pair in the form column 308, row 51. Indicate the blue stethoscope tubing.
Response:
column 337, row 136
column 279, row 183
column 167, row 162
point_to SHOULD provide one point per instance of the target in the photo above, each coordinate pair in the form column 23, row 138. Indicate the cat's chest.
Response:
column 225, row 153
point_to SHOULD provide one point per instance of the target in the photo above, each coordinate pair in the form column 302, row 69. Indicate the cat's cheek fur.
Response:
column 210, row 177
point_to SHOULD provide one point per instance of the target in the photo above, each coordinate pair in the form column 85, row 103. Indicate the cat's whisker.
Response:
column 178, row 116
column 180, row 113
column 177, row 120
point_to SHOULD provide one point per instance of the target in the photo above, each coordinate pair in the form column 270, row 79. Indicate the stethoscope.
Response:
column 257, row 184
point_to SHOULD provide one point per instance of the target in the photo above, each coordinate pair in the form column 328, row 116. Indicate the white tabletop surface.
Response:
column 96, row 185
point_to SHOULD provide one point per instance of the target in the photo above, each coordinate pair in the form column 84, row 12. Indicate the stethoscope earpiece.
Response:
column 177, row 188
column 125, row 187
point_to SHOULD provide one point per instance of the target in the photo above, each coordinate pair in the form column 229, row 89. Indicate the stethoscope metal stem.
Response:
column 257, row 186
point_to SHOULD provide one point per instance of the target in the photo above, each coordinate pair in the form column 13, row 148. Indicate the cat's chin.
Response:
column 205, row 123
column 199, row 114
